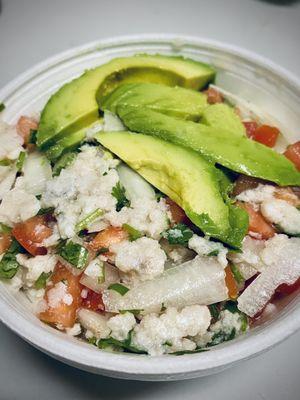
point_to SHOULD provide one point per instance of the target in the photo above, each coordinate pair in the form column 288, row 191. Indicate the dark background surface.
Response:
column 30, row 31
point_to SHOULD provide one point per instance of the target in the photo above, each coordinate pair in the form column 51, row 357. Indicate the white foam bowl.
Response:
column 270, row 87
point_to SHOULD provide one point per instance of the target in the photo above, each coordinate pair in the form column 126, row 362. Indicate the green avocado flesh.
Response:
column 76, row 104
column 217, row 145
column 223, row 116
column 175, row 101
column 184, row 176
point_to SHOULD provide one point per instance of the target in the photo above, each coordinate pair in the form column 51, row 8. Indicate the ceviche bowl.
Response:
column 273, row 92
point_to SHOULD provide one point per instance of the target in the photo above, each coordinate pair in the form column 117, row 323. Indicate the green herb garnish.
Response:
column 213, row 253
column 118, row 192
column 214, row 310
column 2, row 107
column 20, row 161
column 91, row 217
column 4, row 228
column 63, row 162
column 133, row 233
column 32, row 136
column 41, row 281
column 163, row 308
column 102, row 250
column 9, row 264
column 178, row 234
column 221, row 337
column 75, row 254
column 118, row 287
column 236, row 274
column 134, row 312
column 48, row 210
column 123, row 344
column 5, row 162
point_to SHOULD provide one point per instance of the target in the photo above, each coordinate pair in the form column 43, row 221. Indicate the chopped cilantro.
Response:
column 63, row 162
column 118, row 287
column 9, row 264
column 20, row 160
column 236, row 273
column 133, row 233
column 163, row 308
column 134, row 312
column 102, row 250
column 74, row 253
column 41, row 281
column 91, row 217
column 32, row 136
column 214, row 310
column 5, row 162
column 2, row 107
column 167, row 343
column 178, row 234
column 123, row 344
column 4, row 228
column 48, row 210
column 213, row 253
column 118, row 192
column 222, row 336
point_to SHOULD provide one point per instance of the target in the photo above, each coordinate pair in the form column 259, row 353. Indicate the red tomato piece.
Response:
column 293, row 154
column 257, row 223
column 250, row 127
column 178, row 214
column 266, row 135
column 93, row 301
column 63, row 314
column 288, row 289
column 25, row 125
column 31, row 234
column 5, row 241
column 107, row 237
column 213, row 96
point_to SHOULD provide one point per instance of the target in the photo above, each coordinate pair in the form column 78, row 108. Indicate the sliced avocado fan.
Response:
column 229, row 148
column 76, row 104
column 184, row 176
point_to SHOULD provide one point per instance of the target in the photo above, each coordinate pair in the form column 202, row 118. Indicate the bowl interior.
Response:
column 273, row 90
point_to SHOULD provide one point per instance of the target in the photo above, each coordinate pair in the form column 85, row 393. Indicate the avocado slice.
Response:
column 217, row 145
column 223, row 116
column 184, row 176
column 176, row 101
column 76, row 104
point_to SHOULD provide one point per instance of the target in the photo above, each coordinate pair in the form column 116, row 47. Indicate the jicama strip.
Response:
column 200, row 281
column 282, row 259
column 110, row 273
column 37, row 172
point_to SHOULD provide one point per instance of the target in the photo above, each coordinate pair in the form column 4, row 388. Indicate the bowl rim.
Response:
column 137, row 366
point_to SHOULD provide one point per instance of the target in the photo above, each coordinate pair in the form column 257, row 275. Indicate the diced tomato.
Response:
column 93, row 301
column 266, row 135
column 213, row 96
column 178, row 214
column 257, row 223
column 31, row 234
column 293, row 154
column 25, row 125
column 231, row 283
column 288, row 289
column 250, row 127
column 63, row 314
column 5, row 241
column 107, row 237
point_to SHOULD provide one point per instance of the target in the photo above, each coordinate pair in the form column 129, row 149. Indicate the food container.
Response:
column 272, row 89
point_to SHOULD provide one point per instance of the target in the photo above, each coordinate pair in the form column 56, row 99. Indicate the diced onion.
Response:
column 111, row 275
column 37, row 171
